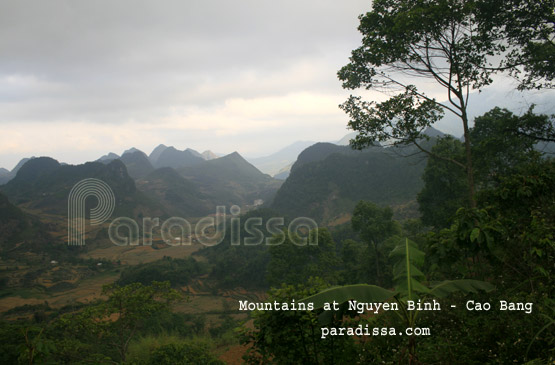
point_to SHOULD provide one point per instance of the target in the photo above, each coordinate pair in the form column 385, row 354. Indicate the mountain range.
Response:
column 323, row 181
column 176, row 182
column 140, row 165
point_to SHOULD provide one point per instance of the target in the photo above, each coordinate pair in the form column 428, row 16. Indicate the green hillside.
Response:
column 23, row 235
column 178, row 195
column 43, row 184
column 318, row 152
column 328, row 180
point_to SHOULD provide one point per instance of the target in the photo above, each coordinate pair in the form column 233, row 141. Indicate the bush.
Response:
column 185, row 353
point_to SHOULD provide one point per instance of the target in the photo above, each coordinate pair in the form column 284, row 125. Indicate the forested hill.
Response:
column 179, row 196
column 43, row 184
column 318, row 152
column 328, row 180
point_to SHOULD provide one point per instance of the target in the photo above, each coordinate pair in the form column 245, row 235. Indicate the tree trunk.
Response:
column 469, row 168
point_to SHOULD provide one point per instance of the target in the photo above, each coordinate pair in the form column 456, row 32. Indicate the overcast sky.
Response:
column 79, row 79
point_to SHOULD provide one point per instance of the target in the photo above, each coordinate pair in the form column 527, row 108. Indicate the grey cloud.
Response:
column 104, row 61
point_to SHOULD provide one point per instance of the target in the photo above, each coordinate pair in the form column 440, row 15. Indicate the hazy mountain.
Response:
column 155, row 154
column 434, row 133
column 328, row 180
column 5, row 176
column 19, row 164
column 430, row 131
column 317, row 152
column 194, row 153
column 346, row 139
column 108, row 157
column 179, row 196
column 283, row 173
column 209, row 155
column 137, row 163
column 547, row 148
column 483, row 101
column 172, row 157
column 131, row 150
column 231, row 180
column 273, row 163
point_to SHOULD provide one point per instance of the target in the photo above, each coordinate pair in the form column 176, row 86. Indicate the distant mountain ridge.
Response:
column 6, row 175
column 185, row 182
column 346, row 139
column 137, row 163
column 274, row 163
column 131, row 150
column 172, row 157
column 108, row 157
column 156, row 152
column 192, row 189
column 231, row 180
column 283, row 174
column 209, row 155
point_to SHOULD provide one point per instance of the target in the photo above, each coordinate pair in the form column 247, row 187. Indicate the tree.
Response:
column 409, row 40
column 444, row 185
column 498, row 144
column 294, row 336
column 499, row 148
column 374, row 225
column 409, row 286
column 524, row 202
column 292, row 264
column 527, row 27
column 354, row 256
column 109, row 326
column 525, row 130
column 184, row 353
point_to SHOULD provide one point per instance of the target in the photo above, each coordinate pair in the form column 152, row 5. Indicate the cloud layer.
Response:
column 81, row 78
column 78, row 78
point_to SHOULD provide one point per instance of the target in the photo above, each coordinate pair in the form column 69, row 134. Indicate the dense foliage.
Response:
column 243, row 265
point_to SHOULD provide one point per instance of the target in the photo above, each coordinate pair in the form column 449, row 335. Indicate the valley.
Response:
column 167, row 183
